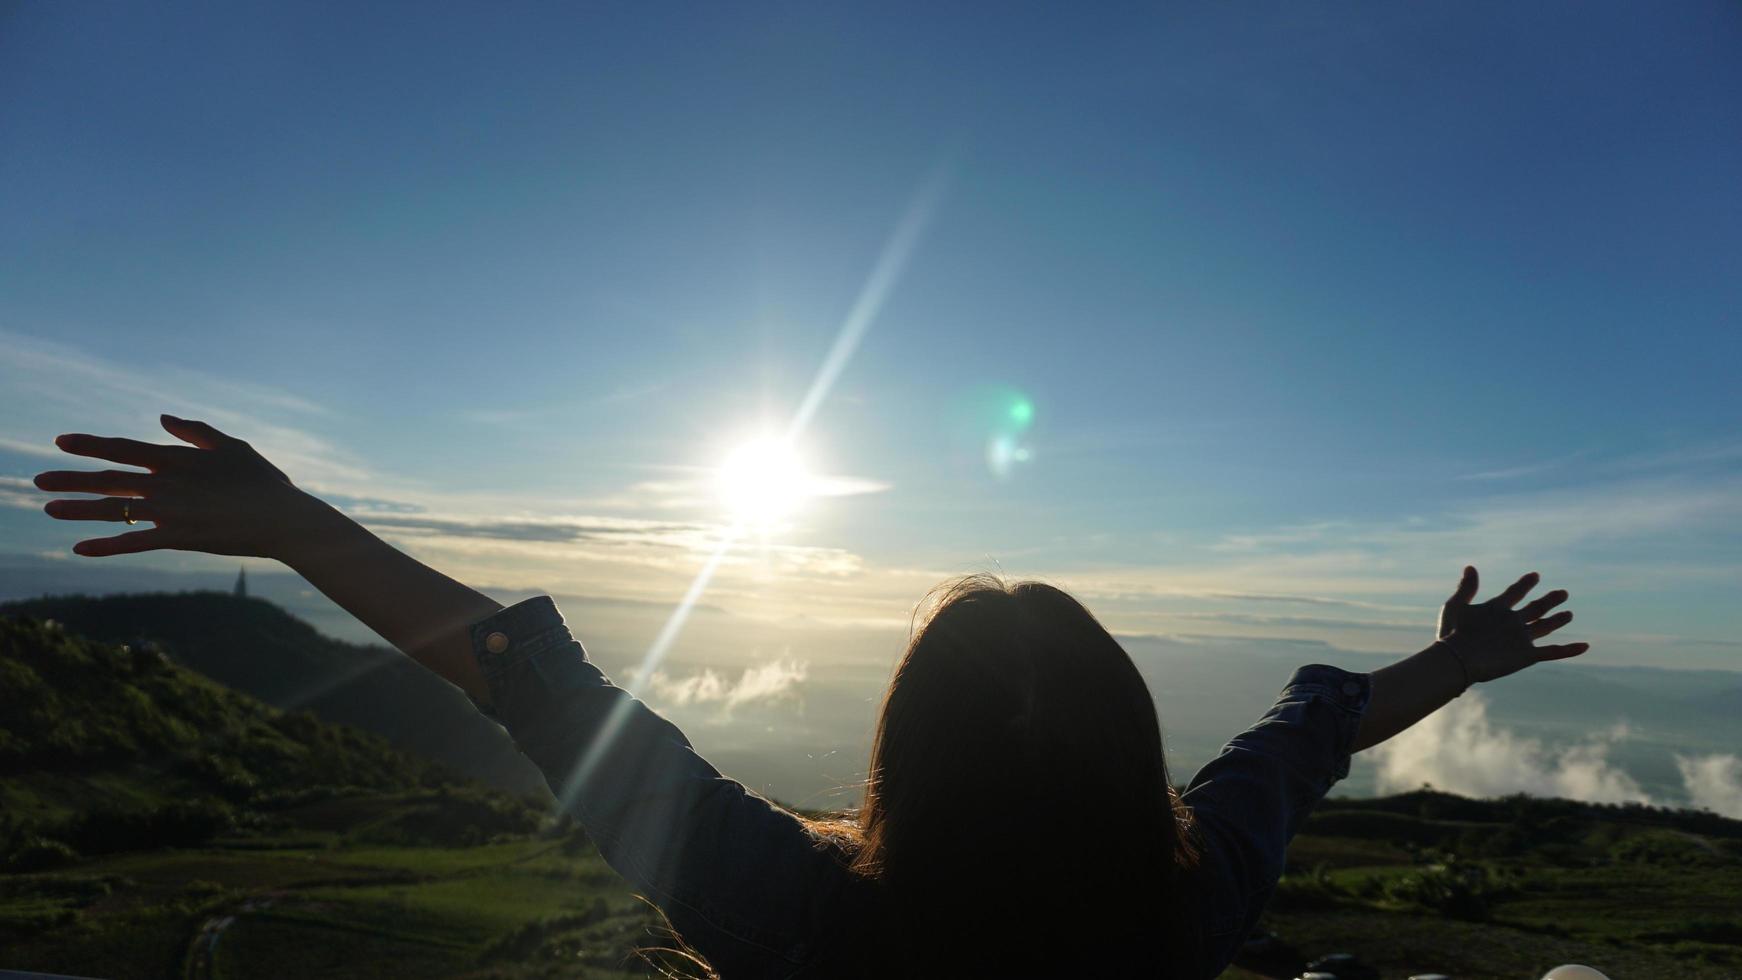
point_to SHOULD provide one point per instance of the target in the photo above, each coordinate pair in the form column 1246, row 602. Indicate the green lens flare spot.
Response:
column 1022, row 412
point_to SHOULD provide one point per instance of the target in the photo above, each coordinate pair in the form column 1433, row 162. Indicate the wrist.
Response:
column 1457, row 660
column 312, row 531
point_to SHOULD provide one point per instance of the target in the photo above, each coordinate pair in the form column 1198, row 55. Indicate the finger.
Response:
column 1466, row 587
column 115, row 483
column 1518, row 590
column 1538, row 608
column 129, row 451
column 1562, row 651
column 198, row 433
column 1544, row 627
column 130, row 543
column 106, row 509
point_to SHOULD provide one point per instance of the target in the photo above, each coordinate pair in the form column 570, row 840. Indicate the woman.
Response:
column 1018, row 817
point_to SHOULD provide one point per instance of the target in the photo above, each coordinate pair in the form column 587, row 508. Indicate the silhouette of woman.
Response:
column 1018, row 818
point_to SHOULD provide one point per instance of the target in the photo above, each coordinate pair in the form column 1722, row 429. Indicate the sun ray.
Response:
column 655, row 655
column 885, row 273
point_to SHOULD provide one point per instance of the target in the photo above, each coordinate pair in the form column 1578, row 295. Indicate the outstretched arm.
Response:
column 1480, row 642
column 1250, row 800
column 701, row 845
column 218, row 495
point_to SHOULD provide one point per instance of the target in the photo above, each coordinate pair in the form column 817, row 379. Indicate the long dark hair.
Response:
column 1018, row 818
column 1018, row 809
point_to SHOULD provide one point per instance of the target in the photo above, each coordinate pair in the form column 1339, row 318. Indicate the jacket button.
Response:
column 1349, row 687
column 496, row 642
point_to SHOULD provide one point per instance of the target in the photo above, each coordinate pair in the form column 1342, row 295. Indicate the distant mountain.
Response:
column 255, row 647
column 1726, row 702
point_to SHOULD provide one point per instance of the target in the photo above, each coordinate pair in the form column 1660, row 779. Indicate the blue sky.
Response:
column 1313, row 305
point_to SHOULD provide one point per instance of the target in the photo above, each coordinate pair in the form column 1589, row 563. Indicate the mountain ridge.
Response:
column 255, row 647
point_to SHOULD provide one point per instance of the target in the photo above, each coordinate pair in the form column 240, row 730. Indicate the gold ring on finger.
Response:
column 127, row 512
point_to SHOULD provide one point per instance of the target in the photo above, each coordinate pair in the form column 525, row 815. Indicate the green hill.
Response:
column 147, row 811
column 257, row 648
column 87, row 727
column 1430, row 882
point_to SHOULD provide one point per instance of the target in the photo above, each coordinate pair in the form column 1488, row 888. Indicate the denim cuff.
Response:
column 1348, row 690
column 509, row 637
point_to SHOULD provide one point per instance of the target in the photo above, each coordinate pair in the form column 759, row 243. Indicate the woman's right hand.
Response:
column 215, row 495
column 1492, row 639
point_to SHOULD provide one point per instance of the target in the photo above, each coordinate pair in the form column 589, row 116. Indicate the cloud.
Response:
column 662, row 544
column 1525, row 469
column 1610, row 540
column 1280, row 537
column 354, row 504
column 1694, row 456
column 1681, row 458
column 773, row 681
column 495, row 416
column 1308, row 622
column 45, row 449
column 538, row 528
column 1564, row 520
column 1714, row 782
column 1308, row 600
column 701, row 490
column 53, row 388
column 1389, row 556
column 1459, row 750
column 16, row 491
column 1194, row 583
column 630, row 566
column 844, row 486
column 74, row 374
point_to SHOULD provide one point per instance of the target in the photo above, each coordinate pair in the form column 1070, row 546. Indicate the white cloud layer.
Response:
column 16, row 491
column 1714, row 782
column 1459, row 750
column 772, row 681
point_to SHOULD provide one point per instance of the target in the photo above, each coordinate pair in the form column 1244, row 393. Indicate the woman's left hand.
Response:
column 1493, row 639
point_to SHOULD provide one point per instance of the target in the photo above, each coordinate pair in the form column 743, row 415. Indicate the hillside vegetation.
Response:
column 88, row 727
column 1431, row 882
column 146, row 812
column 257, row 648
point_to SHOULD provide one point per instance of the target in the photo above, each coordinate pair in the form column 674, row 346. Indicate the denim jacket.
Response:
column 748, row 887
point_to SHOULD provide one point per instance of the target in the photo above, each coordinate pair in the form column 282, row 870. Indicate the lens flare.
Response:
column 1009, row 414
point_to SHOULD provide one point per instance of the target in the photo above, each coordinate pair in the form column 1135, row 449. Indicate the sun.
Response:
column 763, row 482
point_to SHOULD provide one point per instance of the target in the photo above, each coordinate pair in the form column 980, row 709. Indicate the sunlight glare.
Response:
column 763, row 482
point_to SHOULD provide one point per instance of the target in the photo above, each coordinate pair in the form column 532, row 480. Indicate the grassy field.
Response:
column 154, row 823
column 305, row 903
column 318, row 894
column 1510, row 889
